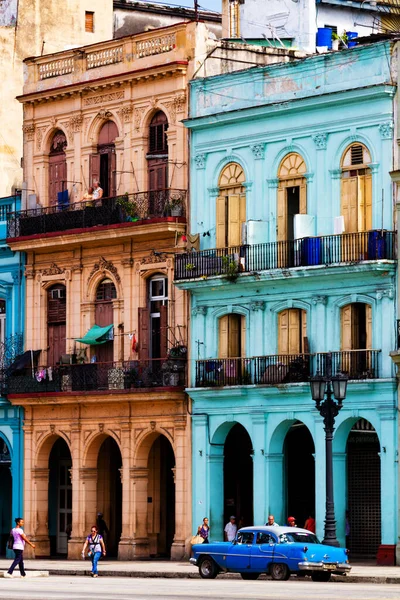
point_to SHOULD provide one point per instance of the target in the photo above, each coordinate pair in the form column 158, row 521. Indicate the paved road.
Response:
column 118, row 588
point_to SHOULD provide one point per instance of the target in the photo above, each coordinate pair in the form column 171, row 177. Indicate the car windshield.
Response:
column 298, row 536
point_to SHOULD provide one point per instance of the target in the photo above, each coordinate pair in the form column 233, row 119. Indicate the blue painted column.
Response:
column 216, row 468
column 200, row 484
column 389, row 456
column 259, row 469
column 276, row 493
column 320, row 488
column 340, row 491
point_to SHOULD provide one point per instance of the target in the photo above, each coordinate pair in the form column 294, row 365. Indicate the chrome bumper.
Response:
column 320, row 566
column 193, row 561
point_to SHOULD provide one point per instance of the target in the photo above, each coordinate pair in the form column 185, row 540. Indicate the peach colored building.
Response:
column 106, row 417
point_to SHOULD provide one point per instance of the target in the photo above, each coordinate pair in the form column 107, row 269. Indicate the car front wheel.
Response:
column 207, row 568
column 250, row 576
column 280, row 572
column 321, row 576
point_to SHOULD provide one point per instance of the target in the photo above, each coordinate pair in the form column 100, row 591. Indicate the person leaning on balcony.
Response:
column 97, row 190
column 88, row 197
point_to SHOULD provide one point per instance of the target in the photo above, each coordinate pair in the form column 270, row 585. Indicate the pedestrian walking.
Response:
column 96, row 546
column 271, row 521
column 230, row 529
column 203, row 530
column 20, row 540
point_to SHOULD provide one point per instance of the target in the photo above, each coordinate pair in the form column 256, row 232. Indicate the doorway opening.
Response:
column 238, row 476
column 56, row 323
column 109, row 492
column 60, row 497
column 293, row 208
column 5, row 496
column 300, row 473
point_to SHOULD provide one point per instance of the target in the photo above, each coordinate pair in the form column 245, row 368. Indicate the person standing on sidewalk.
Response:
column 97, row 548
column 18, row 546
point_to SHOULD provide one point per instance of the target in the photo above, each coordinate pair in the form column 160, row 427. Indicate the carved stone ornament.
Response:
column 170, row 106
column 199, row 310
column 58, row 143
column 258, row 151
column 54, row 269
column 386, row 130
column 94, row 100
column 387, row 293
column 105, row 265
column 200, row 161
column 75, row 123
column 125, row 113
column 138, row 115
column 320, row 140
column 257, row 305
column 153, row 425
column 29, row 131
column 319, row 300
column 101, row 427
column 336, row 173
column 154, row 257
column 104, row 114
column 39, row 137
column 180, row 103
column 273, row 183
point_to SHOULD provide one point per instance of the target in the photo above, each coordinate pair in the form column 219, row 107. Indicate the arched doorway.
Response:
column 363, row 490
column 238, row 476
column 56, row 319
column 231, row 206
column 59, row 497
column 109, row 492
column 161, row 497
column 104, row 316
column 292, row 194
column 300, row 473
column 103, row 164
column 5, row 495
column 57, row 167
column 157, row 163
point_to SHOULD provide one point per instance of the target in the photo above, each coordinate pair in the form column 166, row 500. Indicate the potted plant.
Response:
column 176, row 206
column 129, row 208
column 335, row 41
column 230, row 268
column 190, row 267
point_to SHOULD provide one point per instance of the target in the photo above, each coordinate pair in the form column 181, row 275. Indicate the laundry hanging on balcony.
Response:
column 21, row 362
column 97, row 335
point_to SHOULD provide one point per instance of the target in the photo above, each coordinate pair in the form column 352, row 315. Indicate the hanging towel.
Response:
column 193, row 242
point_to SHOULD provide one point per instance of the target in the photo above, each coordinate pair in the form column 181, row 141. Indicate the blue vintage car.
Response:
column 278, row 551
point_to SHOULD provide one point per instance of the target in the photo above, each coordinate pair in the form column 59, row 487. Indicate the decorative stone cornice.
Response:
column 336, row 173
column 386, row 130
column 273, row 183
column 160, row 257
column 105, row 265
column 125, row 113
column 54, row 269
column 74, row 125
column 213, row 191
column 386, row 293
column 320, row 140
column 257, row 305
column 200, row 161
column 258, row 151
column 199, row 310
column 29, row 131
column 319, row 300
column 138, row 473
column 111, row 96
column 138, row 115
column 88, row 474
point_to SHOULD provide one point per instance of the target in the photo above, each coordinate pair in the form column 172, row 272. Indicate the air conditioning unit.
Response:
column 57, row 294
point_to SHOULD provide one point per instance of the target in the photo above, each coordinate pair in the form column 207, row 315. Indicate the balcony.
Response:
column 128, row 376
column 347, row 248
column 129, row 210
column 280, row 369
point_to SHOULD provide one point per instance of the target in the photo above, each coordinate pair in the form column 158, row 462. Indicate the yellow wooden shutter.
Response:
column 368, row 318
column 367, row 192
column 303, row 315
column 221, row 222
column 349, row 204
column 294, row 331
column 223, row 328
column 303, row 199
column 234, row 225
column 234, row 333
column 89, row 21
column 242, row 214
column 283, row 332
column 346, row 318
column 243, row 337
column 282, row 214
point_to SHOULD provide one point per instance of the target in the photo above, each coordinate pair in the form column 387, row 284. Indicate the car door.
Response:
column 238, row 556
column 262, row 552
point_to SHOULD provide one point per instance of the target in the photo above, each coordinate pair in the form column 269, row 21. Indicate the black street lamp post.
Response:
column 329, row 393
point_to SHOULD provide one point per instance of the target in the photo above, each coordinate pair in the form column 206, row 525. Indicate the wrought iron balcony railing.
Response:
column 102, row 377
column 305, row 252
column 278, row 369
column 107, row 211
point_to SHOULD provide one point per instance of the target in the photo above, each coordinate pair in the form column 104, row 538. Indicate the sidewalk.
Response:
column 360, row 573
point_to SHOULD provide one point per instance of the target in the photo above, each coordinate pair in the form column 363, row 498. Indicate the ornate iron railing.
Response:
column 310, row 251
column 103, row 377
column 279, row 369
column 107, row 211
column 12, row 347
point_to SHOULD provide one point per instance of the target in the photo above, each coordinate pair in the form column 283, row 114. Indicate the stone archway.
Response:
column 5, row 495
column 238, row 476
column 299, row 473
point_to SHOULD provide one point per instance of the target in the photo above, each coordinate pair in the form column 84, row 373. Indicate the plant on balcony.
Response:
column 178, row 351
column 230, row 268
column 190, row 267
column 129, row 207
column 176, row 206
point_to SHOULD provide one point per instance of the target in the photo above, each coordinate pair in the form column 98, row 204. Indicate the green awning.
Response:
column 96, row 335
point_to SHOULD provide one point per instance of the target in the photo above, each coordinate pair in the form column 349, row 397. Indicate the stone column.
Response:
column 318, row 332
column 41, row 499
column 320, row 484
column 388, row 552
column 140, row 477
column 78, row 514
column 88, row 482
column 216, row 487
column 125, row 546
column 259, row 468
column 340, row 491
column 182, row 486
column 275, row 501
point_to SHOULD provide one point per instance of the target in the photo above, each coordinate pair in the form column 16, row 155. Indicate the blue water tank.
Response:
column 324, row 37
column 311, row 251
column 351, row 35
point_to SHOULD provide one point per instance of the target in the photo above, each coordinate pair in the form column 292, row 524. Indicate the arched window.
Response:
column 103, row 164
column 356, row 196
column 292, row 194
column 231, row 206
column 58, row 169
column 292, row 331
column 56, row 323
column 157, row 157
column 104, row 316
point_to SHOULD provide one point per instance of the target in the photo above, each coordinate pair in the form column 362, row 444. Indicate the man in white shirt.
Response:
column 271, row 521
column 230, row 530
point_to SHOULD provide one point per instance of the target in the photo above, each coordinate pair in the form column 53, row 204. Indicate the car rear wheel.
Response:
column 321, row 576
column 207, row 568
column 250, row 576
column 280, row 572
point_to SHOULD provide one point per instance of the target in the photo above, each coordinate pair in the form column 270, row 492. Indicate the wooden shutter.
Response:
column 282, row 214
column 294, row 331
column 143, row 335
column 223, row 328
column 234, row 225
column 242, row 214
column 243, row 336
column 89, row 21
column 163, row 331
column 304, row 338
column 303, row 199
column 113, row 175
column 94, row 168
column 221, row 222
column 346, row 326
column 234, row 335
column 368, row 319
column 57, row 343
column 349, row 204
column 283, row 332
column 365, row 205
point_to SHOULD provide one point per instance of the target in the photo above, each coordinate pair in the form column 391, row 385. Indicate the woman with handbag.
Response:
column 18, row 545
column 203, row 530
column 96, row 546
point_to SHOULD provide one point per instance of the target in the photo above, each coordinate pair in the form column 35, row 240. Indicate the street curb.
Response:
column 195, row 575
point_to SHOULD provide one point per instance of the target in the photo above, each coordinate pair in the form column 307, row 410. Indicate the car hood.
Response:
column 220, row 546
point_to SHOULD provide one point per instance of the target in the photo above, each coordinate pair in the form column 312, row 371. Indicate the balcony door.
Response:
column 356, row 201
column 292, row 331
column 153, row 321
column 56, row 323
column 232, row 336
column 104, row 315
column 292, row 195
column 103, row 164
column 57, row 167
column 157, row 163
column 356, row 335
column 231, row 207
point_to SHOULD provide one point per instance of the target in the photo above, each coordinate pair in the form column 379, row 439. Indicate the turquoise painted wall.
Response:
column 316, row 107
column 12, row 290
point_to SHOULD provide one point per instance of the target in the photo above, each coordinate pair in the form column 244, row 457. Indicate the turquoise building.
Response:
column 11, row 345
column 293, row 273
